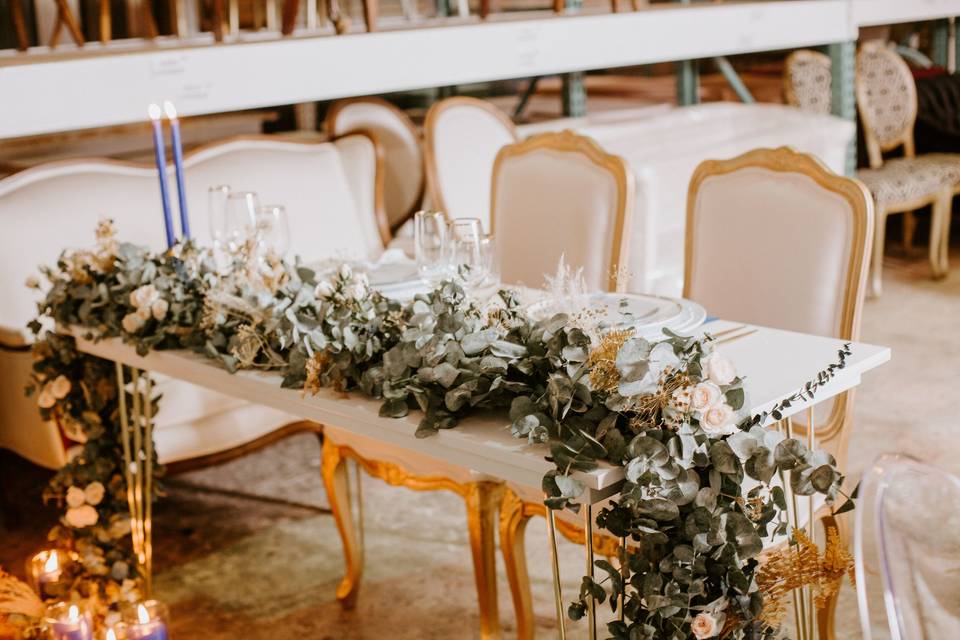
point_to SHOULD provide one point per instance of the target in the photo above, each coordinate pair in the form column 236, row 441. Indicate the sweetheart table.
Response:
column 775, row 364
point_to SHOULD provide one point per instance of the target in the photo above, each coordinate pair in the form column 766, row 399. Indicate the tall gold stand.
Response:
column 136, row 437
column 554, row 558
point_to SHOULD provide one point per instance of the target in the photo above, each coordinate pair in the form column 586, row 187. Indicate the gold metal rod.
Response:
column 138, row 466
column 557, row 593
column 588, row 544
column 795, row 524
column 623, row 573
column 811, row 530
column 127, row 458
column 360, row 527
column 148, row 482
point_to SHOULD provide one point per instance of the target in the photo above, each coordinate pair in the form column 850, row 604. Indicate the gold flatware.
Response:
column 733, row 329
column 737, row 336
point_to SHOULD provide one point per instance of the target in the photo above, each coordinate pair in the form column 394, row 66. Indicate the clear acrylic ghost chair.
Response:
column 907, row 547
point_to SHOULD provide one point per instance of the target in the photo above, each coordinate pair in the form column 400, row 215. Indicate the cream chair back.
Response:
column 462, row 137
column 402, row 152
column 807, row 81
column 886, row 99
column 560, row 194
column 328, row 189
column 776, row 239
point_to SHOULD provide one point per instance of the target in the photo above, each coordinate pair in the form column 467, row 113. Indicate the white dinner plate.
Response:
column 646, row 315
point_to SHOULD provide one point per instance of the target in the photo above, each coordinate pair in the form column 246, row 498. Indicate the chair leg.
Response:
column 879, row 234
column 513, row 529
column 19, row 25
column 483, row 503
column 909, row 230
column 336, row 480
column 371, row 12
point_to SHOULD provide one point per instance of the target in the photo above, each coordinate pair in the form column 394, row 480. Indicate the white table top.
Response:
column 775, row 364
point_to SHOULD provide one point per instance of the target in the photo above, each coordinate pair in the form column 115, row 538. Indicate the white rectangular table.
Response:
column 775, row 364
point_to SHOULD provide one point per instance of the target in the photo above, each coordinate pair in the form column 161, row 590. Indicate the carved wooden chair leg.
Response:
column 219, row 19
column 615, row 6
column 333, row 468
column 290, row 10
column 483, row 503
column 341, row 23
column 826, row 615
column 879, row 233
column 105, row 22
column 909, row 230
column 558, row 6
column 146, row 15
column 19, row 25
column 513, row 530
column 371, row 13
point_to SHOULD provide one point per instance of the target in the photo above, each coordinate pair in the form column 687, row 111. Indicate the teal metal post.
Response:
column 734, row 80
column 688, row 79
column 574, row 90
column 842, row 61
column 941, row 43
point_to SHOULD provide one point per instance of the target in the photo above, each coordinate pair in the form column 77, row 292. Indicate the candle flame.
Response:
column 170, row 109
column 155, row 112
column 73, row 613
column 110, row 635
column 142, row 614
column 52, row 563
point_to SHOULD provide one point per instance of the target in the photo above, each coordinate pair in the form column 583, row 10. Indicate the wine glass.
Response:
column 273, row 229
column 240, row 222
column 217, row 209
column 430, row 242
column 465, row 255
column 491, row 259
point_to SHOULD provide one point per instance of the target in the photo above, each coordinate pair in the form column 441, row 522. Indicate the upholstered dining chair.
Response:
column 462, row 137
column 402, row 151
column 807, row 81
column 887, row 101
column 740, row 214
column 559, row 194
column 907, row 550
column 555, row 193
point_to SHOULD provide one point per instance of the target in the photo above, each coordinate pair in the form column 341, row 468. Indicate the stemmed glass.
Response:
column 430, row 243
column 273, row 229
column 467, row 259
column 240, row 221
column 217, row 208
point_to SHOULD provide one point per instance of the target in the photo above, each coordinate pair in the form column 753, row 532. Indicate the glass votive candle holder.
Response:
column 47, row 569
column 69, row 621
column 116, row 631
column 146, row 620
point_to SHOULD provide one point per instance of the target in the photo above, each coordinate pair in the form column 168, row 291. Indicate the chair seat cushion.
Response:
column 905, row 180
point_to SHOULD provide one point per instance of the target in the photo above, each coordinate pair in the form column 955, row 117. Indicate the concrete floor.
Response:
column 235, row 566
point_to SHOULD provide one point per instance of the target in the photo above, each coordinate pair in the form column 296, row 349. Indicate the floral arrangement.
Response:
column 671, row 412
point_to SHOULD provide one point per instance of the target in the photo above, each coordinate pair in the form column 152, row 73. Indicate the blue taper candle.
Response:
column 158, row 148
column 177, row 145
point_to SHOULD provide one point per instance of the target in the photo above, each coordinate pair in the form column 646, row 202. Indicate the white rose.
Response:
column 361, row 278
column 60, row 387
column 356, row 292
column 704, row 395
column 719, row 369
column 75, row 497
column 132, row 323
column 143, row 296
column 159, row 308
column 144, row 313
column 345, row 271
column 94, row 493
column 705, row 626
column 323, row 290
column 46, row 399
column 718, row 420
column 80, row 517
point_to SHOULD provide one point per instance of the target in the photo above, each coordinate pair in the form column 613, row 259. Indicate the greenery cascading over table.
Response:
column 670, row 411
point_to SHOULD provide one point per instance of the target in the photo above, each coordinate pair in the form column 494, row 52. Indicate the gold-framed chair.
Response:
column 807, row 81
column 461, row 139
column 400, row 141
column 887, row 102
column 739, row 212
column 564, row 191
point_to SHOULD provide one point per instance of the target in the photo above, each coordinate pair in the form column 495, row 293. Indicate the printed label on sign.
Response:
column 170, row 65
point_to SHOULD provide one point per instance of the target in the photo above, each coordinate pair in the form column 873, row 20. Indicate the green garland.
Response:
column 670, row 412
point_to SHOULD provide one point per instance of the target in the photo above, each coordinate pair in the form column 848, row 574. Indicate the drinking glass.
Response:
column 465, row 255
column 430, row 242
column 491, row 259
column 273, row 229
column 217, row 210
column 240, row 222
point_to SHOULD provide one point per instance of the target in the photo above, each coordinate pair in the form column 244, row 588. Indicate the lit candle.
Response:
column 149, row 623
column 177, row 145
column 158, row 147
column 68, row 622
column 46, row 570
